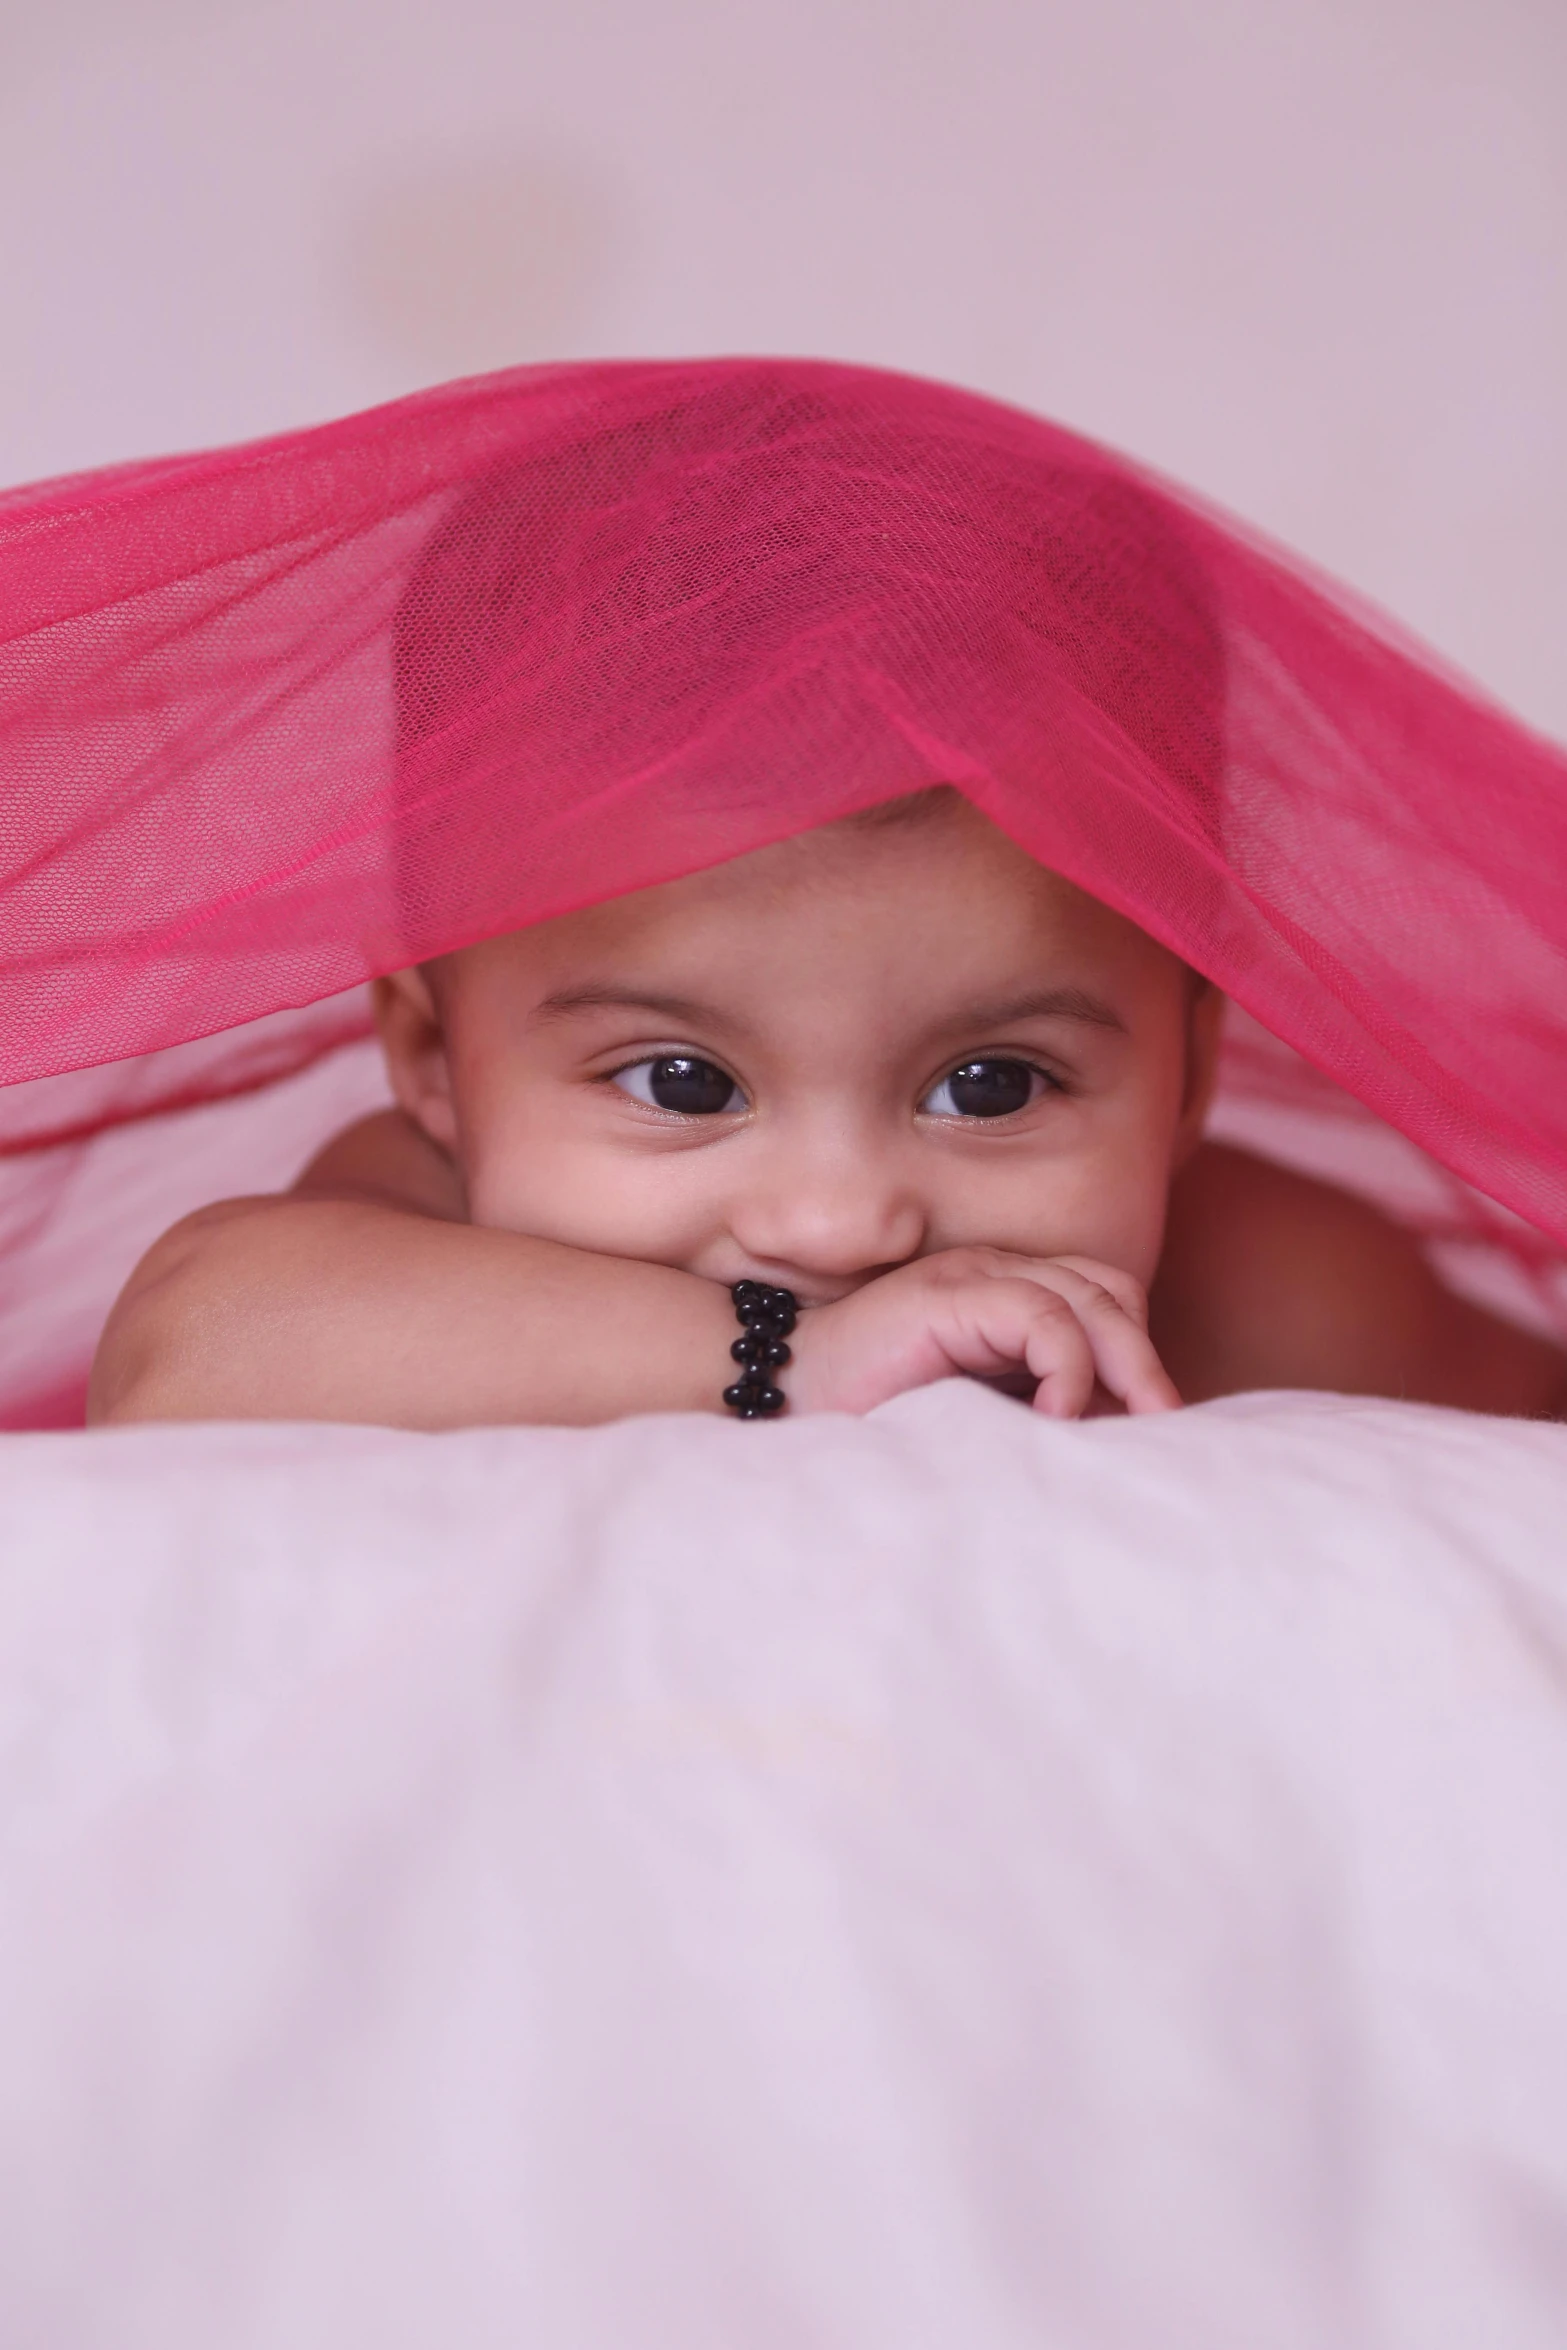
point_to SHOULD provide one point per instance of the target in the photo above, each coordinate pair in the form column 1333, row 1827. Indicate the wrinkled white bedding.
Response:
column 941, row 1882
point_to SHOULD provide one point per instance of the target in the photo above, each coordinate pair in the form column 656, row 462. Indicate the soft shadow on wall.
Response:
column 456, row 265
column 1305, row 254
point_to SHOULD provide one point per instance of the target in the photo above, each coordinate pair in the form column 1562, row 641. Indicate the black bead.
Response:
column 757, row 1347
column 754, row 1403
column 766, row 1316
column 757, row 1314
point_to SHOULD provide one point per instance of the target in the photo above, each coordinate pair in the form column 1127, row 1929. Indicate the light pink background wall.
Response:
column 1308, row 254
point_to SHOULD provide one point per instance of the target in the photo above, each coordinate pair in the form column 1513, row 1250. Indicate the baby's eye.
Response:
column 679, row 1081
column 985, row 1089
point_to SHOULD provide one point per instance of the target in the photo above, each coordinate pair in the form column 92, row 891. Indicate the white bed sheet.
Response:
column 942, row 1882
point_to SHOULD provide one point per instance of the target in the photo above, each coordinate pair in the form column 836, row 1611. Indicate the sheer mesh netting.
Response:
column 274, row 720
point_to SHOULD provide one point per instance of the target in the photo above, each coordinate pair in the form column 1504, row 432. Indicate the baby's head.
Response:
column 891, row 1035
column 789, row 593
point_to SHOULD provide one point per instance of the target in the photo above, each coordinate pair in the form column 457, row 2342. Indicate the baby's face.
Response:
column 817, row 1062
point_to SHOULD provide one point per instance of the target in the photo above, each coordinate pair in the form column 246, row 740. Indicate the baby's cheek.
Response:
column 1122, row 1194
column 1135, row 1236
column 1129, row 1202
column 1104, row 1206
column 1121, row 1224
column 545, row 1191
column 584, row 1199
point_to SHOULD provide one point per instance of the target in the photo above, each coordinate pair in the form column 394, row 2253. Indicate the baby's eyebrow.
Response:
column 1045, row 1003
column 683, row 1011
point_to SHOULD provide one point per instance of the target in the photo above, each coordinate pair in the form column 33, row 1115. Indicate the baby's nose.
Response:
column 833, row 1223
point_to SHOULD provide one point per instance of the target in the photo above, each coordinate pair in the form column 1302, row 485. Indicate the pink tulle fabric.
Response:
column 279, row 718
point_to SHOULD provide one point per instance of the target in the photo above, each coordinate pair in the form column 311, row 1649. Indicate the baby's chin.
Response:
column 807, row 1289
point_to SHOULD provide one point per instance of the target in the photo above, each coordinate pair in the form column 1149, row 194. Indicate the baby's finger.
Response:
column 1123, row 1353
column 1128, row 1293
column 1059, row 1355
column 1113, row 1311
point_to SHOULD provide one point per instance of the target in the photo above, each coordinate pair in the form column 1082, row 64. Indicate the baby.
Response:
column 892, row 1065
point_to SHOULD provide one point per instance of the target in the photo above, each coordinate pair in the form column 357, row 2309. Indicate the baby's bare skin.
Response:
column 535, row 1235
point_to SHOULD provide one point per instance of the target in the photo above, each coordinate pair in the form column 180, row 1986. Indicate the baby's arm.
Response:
column 1271, row 1279
column 362, row 1295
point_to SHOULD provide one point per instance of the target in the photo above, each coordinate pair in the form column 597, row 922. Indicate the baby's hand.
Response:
column 1062, row 1320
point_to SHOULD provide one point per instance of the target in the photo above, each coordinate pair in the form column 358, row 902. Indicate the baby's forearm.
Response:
column 323, row 1309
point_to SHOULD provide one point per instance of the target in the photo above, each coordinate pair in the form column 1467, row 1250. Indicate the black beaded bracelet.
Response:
column 767, row 1316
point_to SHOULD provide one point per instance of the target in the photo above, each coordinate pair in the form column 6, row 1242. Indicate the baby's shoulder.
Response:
column 1271, row 1278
